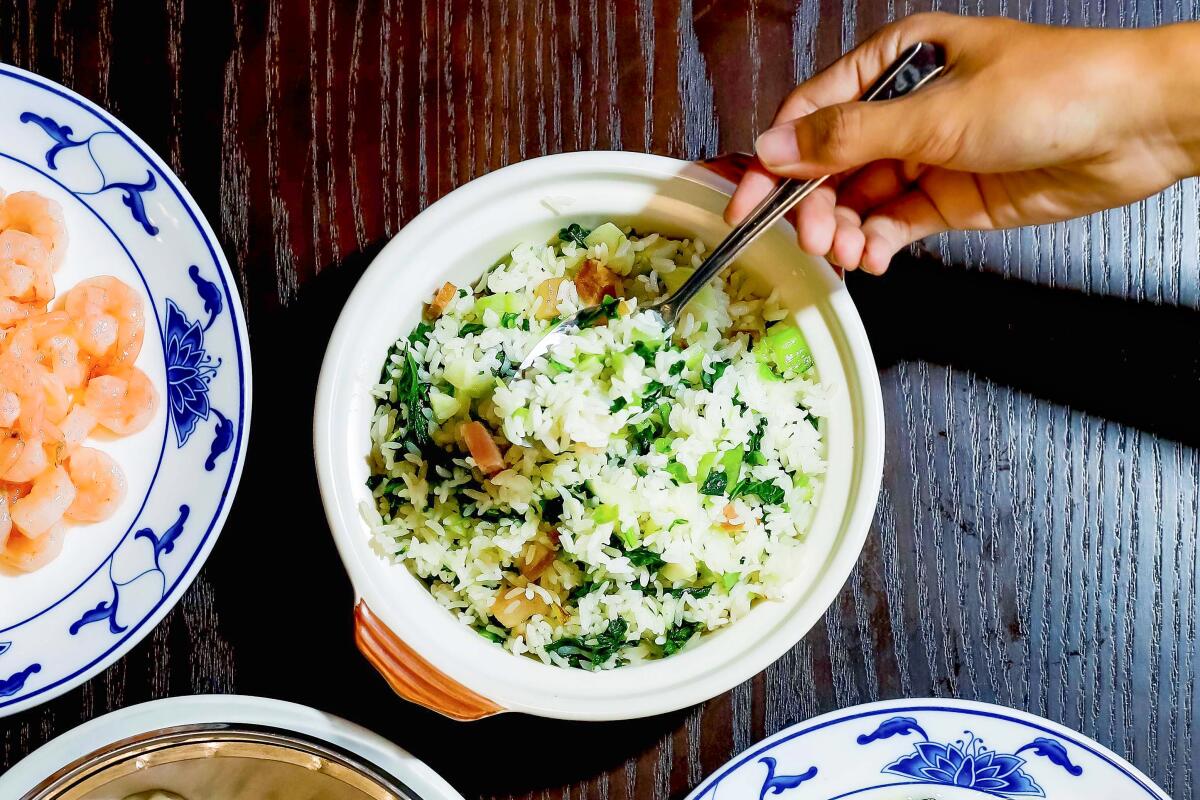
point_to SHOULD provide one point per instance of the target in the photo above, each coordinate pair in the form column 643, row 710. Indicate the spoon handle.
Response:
column 916, row 66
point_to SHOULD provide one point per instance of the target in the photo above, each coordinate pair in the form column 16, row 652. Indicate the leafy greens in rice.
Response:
column 636, row 487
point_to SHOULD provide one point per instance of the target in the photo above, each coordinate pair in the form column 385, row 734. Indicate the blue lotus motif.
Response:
column 969, row 765
column 189, row 372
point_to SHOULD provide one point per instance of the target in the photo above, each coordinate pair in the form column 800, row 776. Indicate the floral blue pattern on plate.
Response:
column 944, row 749
column 127, row 216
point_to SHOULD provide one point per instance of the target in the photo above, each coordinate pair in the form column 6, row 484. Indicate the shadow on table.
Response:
column 1136, row 363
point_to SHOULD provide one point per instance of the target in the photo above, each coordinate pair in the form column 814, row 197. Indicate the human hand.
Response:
column 1029, row 124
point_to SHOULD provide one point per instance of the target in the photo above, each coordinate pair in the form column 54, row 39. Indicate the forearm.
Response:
column 1176, row 59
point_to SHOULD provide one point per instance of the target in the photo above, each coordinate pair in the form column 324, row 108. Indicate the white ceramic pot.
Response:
column 427, row 655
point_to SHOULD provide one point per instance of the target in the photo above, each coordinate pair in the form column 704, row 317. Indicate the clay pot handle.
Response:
column 411, row 676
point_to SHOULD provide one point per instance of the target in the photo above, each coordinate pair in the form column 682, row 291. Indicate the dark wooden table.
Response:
column 1035, row 543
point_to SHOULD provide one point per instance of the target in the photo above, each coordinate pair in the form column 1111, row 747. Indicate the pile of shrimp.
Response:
column 66, row 370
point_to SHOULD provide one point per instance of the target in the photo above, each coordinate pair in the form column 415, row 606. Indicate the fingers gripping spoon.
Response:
column 917, row 66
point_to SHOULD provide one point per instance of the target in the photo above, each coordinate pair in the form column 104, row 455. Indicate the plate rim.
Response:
column 935, row 704
column 137, row 632
column 234, row 709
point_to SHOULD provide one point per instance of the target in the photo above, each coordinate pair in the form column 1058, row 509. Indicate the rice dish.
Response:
column 637, row 487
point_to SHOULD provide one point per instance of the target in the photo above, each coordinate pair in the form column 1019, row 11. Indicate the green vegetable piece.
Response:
column 607, row 234
column 420, row 333
column 630, row 538
column 705, row 466
column 715, row 483
column 509, row 319
column 471, row 327
column 605, row 513
column 679, row 636
column 645, row 557
column 766, row 491
column 596, row 650
column 574, row 233
column 785, row 348
column 491, row 635
column 584, row 589
column 505, row 303
column 643, row 437
column 443, row 405
column 618, row 404
column 707, row 379
column 678, row 472
column 731, row 463
column 695, row 591
column 664, row 417
column 413, row 396
column 557, row 367
column 646, row 350
column 756, row 436
column 588, row 360
column 730, row 579
column 662, row 445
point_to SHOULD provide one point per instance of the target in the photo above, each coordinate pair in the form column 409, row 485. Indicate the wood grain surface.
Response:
column 1036, row 539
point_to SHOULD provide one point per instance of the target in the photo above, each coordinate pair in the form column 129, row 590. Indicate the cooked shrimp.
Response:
column 108, row 320
column 25, row 273
column 99, row 485
column 28, row 555
column 27, row 458
column 62, row 373
column 38, row 216
column 52, row 494
column 58, row 400
column 10, row 408
column 62, row 356
column 76, row 427
column 23, row 378
column 12, row 312
column 123, row 401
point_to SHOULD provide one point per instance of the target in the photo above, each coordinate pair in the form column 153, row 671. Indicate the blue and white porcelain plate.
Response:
column 128, row 216
column 935, row 749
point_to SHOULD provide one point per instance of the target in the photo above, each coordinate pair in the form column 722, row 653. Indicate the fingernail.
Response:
column 777, row 147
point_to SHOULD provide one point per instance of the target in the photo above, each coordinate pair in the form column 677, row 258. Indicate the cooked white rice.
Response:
column 649, row 512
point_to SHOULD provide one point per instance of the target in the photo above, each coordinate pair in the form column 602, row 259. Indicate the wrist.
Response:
column 1175, row 55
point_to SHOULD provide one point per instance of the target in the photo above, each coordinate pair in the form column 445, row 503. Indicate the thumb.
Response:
column 846, row 136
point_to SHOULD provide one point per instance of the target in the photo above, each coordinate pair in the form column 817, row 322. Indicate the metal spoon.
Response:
column 917, row 66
